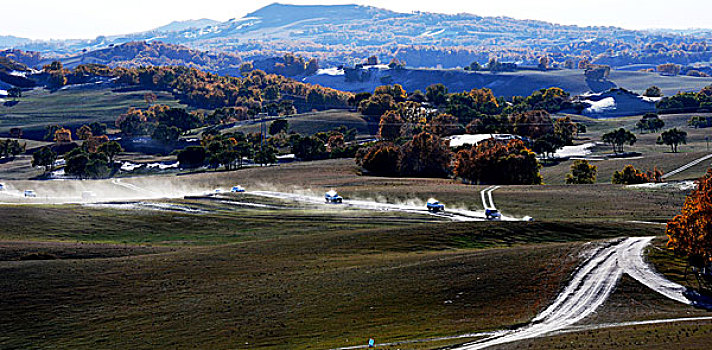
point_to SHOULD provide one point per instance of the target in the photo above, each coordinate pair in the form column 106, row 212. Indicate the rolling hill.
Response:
column 344, row 34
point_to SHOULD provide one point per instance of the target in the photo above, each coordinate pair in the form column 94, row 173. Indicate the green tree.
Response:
column 618, row 138
column 14, row 93
column 44, row 157
column 277, row 126
column 11, row 148
column 582, row 173
column 309, row 148
column 650, row 122
column 436, row 94
column 444, row 125
column 50, row 130
column 97, row 168
column 76, row 164
column 111, row 149
column 377, row 105
column 265, row 156
column 673, row 138
column 548, row 144
column 165, row 134
column 699, row 121
column 192, row 157
column 629, row 176
column 580, row 128
column 653, row 91
column 565, row 129
column 97, row 128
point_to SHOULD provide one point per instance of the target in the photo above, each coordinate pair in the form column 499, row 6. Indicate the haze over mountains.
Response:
column 345, row 34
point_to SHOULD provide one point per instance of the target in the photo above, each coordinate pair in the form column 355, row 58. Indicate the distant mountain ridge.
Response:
column 185, row 25
column 346, row 34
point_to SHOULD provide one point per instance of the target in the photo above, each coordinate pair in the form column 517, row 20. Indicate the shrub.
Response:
column 582, row 173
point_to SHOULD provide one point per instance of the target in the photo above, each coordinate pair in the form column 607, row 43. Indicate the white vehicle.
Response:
column 88, row 195
column 237, row 189
column 493, row 214
column 333, row 198
column 2, row 186
column 434, row 205
column 30, row 193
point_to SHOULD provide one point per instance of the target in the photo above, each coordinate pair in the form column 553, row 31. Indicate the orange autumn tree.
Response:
column 690, row 233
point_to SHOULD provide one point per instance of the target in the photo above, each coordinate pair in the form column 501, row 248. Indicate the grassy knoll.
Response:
column 294, row 291
column 550, row 202
column 72, row 107
column 322, row 121
column 72, row 223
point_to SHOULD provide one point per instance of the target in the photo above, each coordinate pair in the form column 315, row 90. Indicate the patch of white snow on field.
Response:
column 575, row 151
column 474, row 139
column 602, row 106
column 681, row 186
column 330, row 71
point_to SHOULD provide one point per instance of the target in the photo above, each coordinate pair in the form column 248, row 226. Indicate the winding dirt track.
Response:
column 452, row 214
column 589, row 288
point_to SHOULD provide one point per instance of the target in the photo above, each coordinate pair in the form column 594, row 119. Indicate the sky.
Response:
column 53, row 19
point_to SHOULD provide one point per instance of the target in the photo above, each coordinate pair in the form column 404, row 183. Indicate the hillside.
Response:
column 520, row 83
column 345, row 34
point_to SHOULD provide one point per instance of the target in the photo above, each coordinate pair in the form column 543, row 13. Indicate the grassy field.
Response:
column 294, row 276
column 72, row 107
column 322, row 121
column 551, row 202
column 295, row 290
column 652, row 155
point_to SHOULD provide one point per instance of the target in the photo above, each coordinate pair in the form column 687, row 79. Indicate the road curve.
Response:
column 590, row 287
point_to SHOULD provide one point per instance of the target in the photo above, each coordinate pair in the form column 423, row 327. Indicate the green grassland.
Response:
column 333, row 286
column 321, row 121
column 293, row 276
column 73, row 106
column 652, row 154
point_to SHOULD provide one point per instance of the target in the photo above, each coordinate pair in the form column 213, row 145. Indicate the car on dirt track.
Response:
column 237, row 189
column 434, row 206
column 493, row 214
column 332, row 197
column 30, row 193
